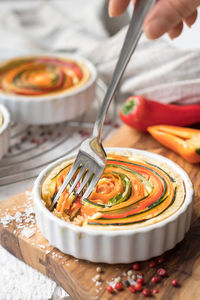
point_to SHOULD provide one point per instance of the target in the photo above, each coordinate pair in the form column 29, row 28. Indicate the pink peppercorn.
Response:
column 162, row 272
column 107, row 123
column 155, row 279
column 49, row 132
column 83, row 133
column 152, row 264
column 147, row 292
column 140, row 280
column 136, row 267
column 23, row 139
column 138, row 286
column 174, row 282
column 160, row 260
column 119, row 286
column 131, row 288
column 155, row 291
column 110, row 289
column 59, row 134
column 37, row 142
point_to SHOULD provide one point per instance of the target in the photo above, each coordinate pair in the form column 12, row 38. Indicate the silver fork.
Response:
column 91, row 158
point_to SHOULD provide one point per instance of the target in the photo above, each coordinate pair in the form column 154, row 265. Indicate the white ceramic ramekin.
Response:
column 120, row 246
column 4, row 131
column 51, row 109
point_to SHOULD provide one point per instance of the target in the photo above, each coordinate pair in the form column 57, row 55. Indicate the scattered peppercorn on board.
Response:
column 84, row 280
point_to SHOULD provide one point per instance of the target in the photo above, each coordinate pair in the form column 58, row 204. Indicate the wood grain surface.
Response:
column 77, row 276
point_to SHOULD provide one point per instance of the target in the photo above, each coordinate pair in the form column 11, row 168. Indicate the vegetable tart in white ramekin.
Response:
column 47, row 88
column 140, row 208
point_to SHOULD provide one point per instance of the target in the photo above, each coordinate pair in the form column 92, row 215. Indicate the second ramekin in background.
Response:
column 4, row 130
column 52, row 108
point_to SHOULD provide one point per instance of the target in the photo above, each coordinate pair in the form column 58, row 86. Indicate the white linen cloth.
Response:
column 157, row 70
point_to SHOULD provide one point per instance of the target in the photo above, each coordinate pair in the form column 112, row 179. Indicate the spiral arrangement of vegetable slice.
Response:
column 128, row 192
column 39, row 75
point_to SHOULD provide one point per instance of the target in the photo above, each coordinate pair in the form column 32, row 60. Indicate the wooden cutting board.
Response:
column 76, row 276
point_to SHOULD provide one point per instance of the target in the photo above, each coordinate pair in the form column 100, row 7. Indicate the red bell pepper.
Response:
column 139, row 112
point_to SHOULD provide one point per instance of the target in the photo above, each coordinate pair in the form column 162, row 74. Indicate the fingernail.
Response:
column 155, row 28
column 189, row 25
column 110, row 13
column 172, row 37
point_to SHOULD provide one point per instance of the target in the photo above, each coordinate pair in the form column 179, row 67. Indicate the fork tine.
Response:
column 91, row 186
column 77, row 179
column 66, row 182
column 85, row 180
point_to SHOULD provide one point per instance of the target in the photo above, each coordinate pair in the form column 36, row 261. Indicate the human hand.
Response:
column 165, row 16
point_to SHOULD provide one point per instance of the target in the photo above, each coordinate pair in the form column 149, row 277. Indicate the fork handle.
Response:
column 132, row 37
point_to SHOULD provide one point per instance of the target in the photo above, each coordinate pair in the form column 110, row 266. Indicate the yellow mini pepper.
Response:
column 184, row 141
